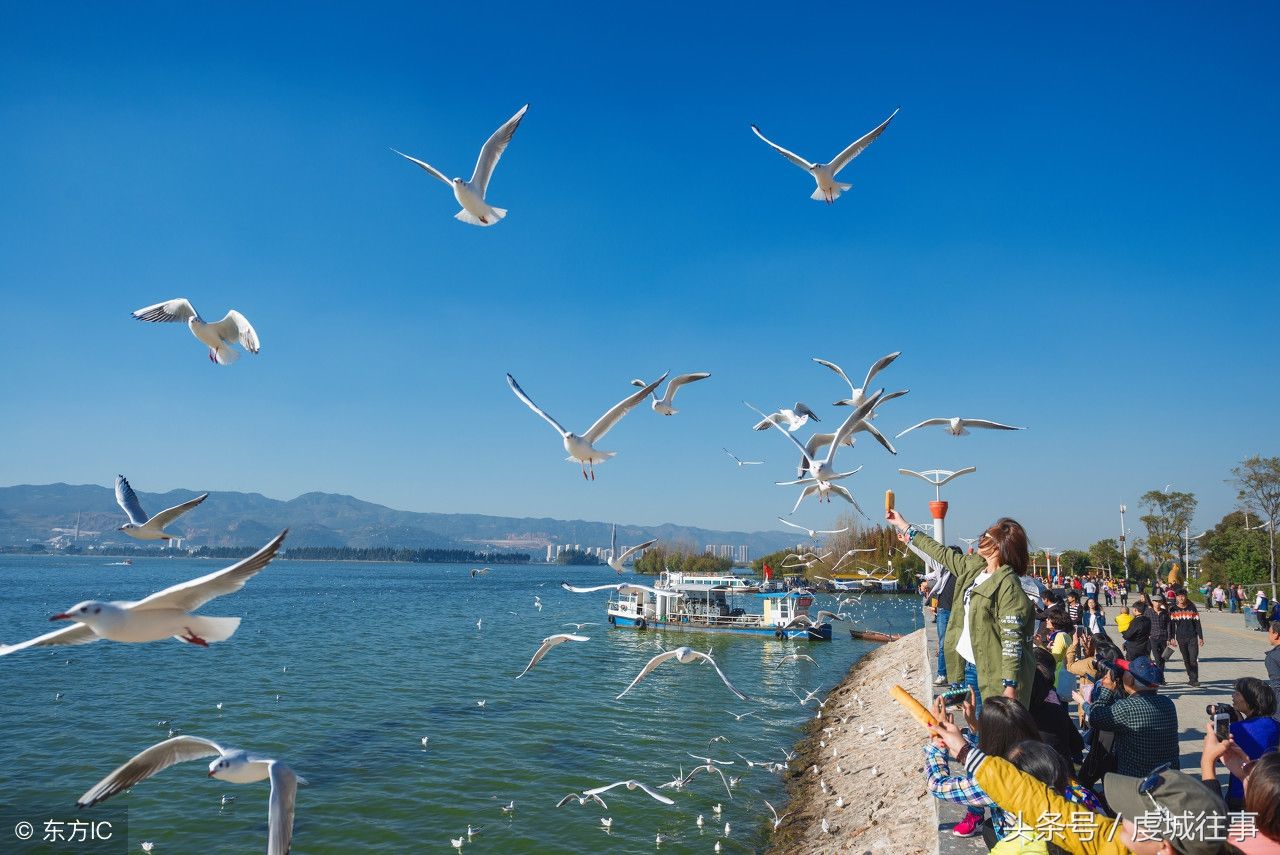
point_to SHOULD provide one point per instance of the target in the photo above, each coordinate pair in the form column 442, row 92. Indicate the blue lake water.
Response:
column 341, row 668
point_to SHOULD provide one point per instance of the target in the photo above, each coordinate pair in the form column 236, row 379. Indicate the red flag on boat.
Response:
column 768, row 572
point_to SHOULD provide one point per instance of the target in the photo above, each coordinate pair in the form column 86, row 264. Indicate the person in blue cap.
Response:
column 1128, row 703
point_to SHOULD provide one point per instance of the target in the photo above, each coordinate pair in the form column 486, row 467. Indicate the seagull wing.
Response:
column 284, row 787
column 879, row 437
column 787, row 434
column 191, row 595
column 837, row 369
column 618, row 410
column 846, row 429
column 732, row 688
column 675, row 384
column 793, row 525
column 528, row 402
column 925, row 423
column 880, row 364
column 613, row 542
column 493, row 150
column 649, row 666
column 236, row 327
column 168, row 515
column 128, row 502
column 77, row 633
column 431, row 170
column 654, row 794
column 984, row 423
column 548, row 643
column 170, row 311
column 791, row 156
column 155, row 759
column 624, row 556
column 593, row 588
column 841, row 160
column 816, row 442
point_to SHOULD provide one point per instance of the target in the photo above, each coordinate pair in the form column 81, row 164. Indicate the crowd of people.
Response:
column 1055, row 729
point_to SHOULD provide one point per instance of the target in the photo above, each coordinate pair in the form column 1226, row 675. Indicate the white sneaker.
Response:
column 940, row 680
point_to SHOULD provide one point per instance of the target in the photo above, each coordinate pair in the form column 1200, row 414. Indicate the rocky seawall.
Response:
column 859, row 765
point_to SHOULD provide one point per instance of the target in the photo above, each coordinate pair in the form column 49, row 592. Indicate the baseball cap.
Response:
column 1162, row 796
column 1143, row 670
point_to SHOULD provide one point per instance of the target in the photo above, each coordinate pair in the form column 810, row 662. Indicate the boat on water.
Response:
column 700, row 603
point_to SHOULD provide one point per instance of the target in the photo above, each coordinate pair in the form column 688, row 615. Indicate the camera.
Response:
column 1222, row 716
column 955, row 697
column 1110, row 666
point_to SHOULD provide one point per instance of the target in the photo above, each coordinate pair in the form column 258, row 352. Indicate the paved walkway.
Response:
column 1230, row 651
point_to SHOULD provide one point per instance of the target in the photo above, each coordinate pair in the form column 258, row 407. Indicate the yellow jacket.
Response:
column 1041, row 810
column 1123, row 621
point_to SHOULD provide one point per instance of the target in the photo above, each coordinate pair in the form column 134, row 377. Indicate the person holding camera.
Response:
column 1145, row 723
column 1251, row 725
column 1189, row 635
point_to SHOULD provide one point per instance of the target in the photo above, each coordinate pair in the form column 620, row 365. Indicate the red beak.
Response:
column 210, row 773
column 63, row 616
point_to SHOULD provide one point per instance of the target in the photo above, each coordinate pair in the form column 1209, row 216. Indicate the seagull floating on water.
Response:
column 142, row 527
column 663, row 405
column 547, row 643
column 161, row 615
column 470, row 194
column 582, row 448
column 233, row 765
column 685, row 656
column 959, row 427
column 824, row 174
column 218, row 337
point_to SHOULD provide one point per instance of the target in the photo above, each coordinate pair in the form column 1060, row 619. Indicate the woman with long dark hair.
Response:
column 992, row 620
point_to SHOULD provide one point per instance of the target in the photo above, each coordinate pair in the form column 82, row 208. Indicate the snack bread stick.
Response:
column 888, row 500
column 917, row 710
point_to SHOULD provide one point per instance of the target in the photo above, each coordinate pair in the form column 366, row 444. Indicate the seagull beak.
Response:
column 210, row 773
column 63, row 616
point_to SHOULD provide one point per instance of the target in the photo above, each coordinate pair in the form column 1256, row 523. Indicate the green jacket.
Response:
column 1003, row 623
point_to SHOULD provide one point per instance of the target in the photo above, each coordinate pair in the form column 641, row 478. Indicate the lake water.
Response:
column 340, row 669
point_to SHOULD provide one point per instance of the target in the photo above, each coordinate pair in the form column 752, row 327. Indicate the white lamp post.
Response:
column 1186, row 553
column 1270, row 525
column 938, row 508
column 1124, row 554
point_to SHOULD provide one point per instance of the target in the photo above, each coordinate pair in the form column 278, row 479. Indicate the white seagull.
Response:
column 233, row 329
column 959, row 427
column 630, row 785
column 789, row 420
column 735, row 459
column 663, row 405
column 622, row 587
column 163, row 614
column 777, row 820
column 685, row 656
column 142, row 527
column 616, row 560
column 858, row 394
column 547, row 643
column 813, row 532
column 233, row 765
column 470, row 194
column 582, row 448
column 582, row 799
column 793, row 657
column 825, row 173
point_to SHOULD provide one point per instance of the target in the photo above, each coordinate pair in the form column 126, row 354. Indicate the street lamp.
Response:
column 938, row 508
column 1123, row 552
column 1186, row 554
column 1270, row 525
column 970, row 541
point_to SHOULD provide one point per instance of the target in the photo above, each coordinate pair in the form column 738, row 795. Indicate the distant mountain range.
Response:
column 48, row 513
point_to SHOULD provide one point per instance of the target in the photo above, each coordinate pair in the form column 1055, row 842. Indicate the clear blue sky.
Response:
column 1071, row 225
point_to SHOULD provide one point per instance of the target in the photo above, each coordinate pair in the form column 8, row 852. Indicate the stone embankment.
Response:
column 867, row 751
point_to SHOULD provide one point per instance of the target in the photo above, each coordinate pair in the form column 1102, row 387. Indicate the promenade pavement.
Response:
column 1231, row 650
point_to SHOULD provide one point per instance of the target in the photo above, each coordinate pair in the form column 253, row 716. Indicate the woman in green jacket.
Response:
column 992, row 620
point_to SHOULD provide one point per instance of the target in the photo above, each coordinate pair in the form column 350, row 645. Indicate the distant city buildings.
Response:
column 736, row 553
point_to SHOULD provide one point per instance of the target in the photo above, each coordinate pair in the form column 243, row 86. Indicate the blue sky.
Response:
column 1071, row 225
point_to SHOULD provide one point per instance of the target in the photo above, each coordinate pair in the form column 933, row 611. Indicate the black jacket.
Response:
column 1137, row 638
column 1159, row 625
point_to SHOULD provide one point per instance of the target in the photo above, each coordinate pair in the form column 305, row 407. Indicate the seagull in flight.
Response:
column 777, row 820
column 582, row 799
column 233, row 765
column 142, row 527
column 630, row 785
column 813, row 532
column 708, row 768
column 161, row 615
column 663, row 405
column 959, row 427
column 858, row 394
column 582, row 448
column 218, row 337
column 547, row 643
column 795, row 657
column 824, row 174
column 616, row 560
column 621, row 586
column 788, row 420
column 735, row 459
column 685, row 656
column 470, row 194
column 819, row 441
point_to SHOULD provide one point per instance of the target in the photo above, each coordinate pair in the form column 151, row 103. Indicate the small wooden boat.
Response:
column 872, row 635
